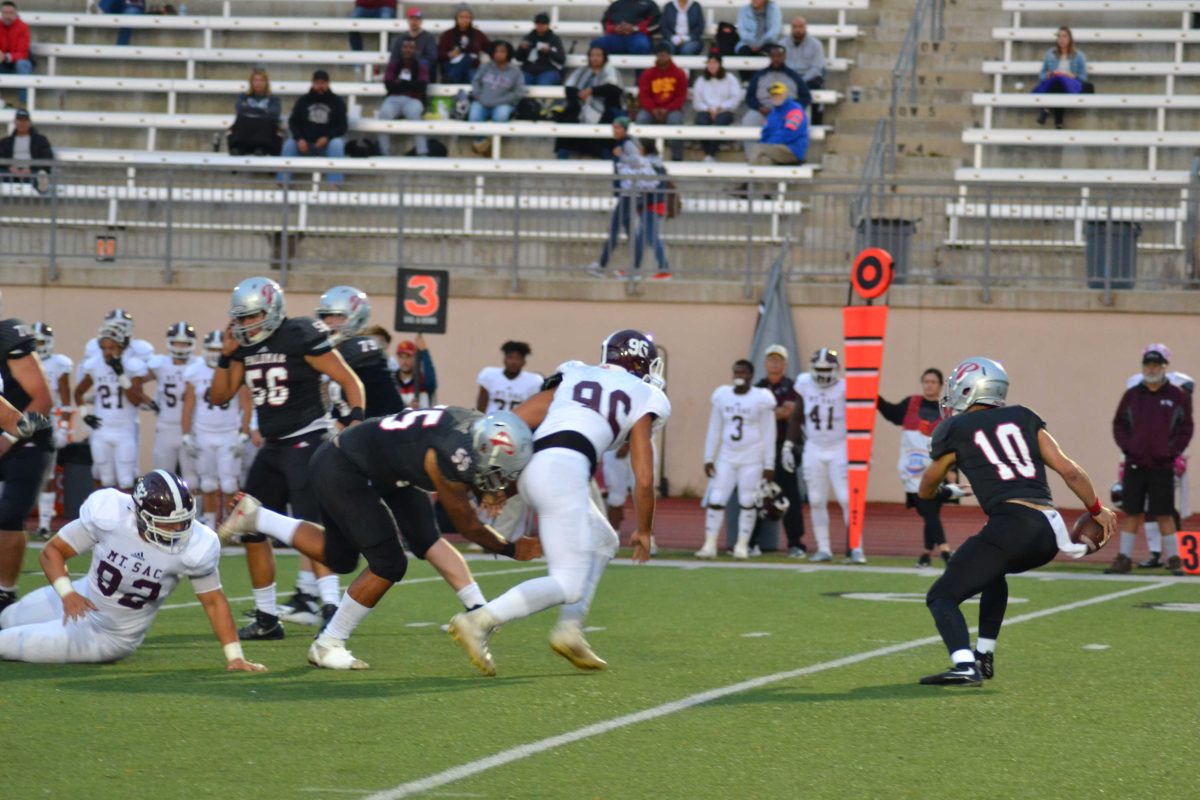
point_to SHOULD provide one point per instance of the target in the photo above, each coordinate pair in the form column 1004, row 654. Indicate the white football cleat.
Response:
column 741, row 552
column 822, row 555
column 333, row 655
column 472, row 629
column 567, row 640
column 857, row 556
column 653, row 547
column 706, row 552
column 241, row 521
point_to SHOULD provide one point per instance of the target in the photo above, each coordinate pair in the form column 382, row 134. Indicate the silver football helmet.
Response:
column 503, row 445
column 348, row 302
column 214, row 343
column 44, row 335
column 115, row 331
column 122, row 319
column 824, row 365
column 181, row 340
column 974, row 381
column 252, row 297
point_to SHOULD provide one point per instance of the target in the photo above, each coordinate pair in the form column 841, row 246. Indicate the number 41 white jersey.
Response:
column 824, row 412
column 601, row 402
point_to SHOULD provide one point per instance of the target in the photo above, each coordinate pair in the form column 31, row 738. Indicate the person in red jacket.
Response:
column 662, row 91
column 14, row 45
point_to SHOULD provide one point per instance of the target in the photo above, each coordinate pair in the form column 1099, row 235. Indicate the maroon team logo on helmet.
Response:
column 268, row 293
column 632, row 350
column 963, row 369
column 501, row 440
column 165, row 509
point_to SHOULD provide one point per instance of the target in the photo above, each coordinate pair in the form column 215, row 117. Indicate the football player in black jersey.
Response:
column 281, row 360
column 373, row 483
column 345, row 310
column 1004, row 452
column 24, row 452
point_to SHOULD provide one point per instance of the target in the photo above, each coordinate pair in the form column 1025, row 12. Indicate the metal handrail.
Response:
column 906, row 64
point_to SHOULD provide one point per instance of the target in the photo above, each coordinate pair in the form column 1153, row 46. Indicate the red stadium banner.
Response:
column 1189, row 551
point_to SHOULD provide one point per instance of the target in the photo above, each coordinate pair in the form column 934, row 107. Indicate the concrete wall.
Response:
column 1069, row 366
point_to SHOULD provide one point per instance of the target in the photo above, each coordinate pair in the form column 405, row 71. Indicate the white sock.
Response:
column 962, row 657
column 46, row 509
column 713, row 517
column 264, row 600
column 1154, row 537
column 471, row 596
column 746, row 520
column 526, row 598
column 349, row 614
column 1170, row 546
column 576, row 613
column 1127, row 540
column 822, row 537
column 986, row 645
column 277, row 526
column 8, row 588
column 306, row 582
column 327, row 589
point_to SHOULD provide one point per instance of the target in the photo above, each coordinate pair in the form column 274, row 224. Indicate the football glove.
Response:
column 788, row 457
column 149, row 405
column 1180, row 465
column 189, row 445
column 116, row 365
column 92, row 421
column 951, row 491
column 31, row 423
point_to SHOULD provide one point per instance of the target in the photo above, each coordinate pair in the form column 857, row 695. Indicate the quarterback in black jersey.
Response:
column 281, row 360
column 373, row 483
column 1004, row 452
column 346, row 310
column 24, row 453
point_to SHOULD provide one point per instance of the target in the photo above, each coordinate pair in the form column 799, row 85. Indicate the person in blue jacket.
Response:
column 1064, row 71
column 784, row 138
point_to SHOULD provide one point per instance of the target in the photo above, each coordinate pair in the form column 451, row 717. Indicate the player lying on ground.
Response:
column 373, row 482
column 142, row 545
column 1003, row 451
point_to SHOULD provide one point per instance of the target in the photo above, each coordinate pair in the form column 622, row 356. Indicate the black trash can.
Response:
column 76, row 461
column 1123, row 268
column 891, row 234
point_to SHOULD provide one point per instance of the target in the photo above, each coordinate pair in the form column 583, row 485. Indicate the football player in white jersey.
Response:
column 588, row 410
column 742, row 427
column 142, row 544
column 215, row 436
column 167, row 371
column 122, row 319
column 821, row 413
column 116, row 375
column 58, row 374
column 503, row 389
column 618, row 482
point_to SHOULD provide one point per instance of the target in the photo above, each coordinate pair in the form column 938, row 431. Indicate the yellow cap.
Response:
column 778, row 88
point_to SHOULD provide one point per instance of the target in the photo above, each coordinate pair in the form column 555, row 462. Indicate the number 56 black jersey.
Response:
column 286, row 390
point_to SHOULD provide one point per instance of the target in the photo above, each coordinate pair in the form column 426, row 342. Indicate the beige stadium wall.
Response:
column 1069, row 366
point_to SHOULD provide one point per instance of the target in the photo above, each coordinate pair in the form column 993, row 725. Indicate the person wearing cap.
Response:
column 662, row 91
column 459, row 47
column 1153, row 426
column 784, row 138
column 123, row 7
column 370, row 9
column 317, row 125
column 427, row 47
column 541, row 54
column 715, row 97
column 758, row 95
column 628, row 26
column 682, row 26
column 14, row 45
column 407, row 79
column 26, row 144
column 415, row 375
column 759, row 24
column 777, row 382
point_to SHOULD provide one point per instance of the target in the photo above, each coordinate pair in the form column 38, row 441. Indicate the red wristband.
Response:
column 1095, row 508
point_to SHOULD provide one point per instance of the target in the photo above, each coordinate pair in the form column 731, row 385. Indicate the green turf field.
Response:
column 1101, row 699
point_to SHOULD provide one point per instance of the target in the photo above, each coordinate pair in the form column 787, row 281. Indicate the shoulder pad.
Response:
column 203, row 550
column 569, row 365
column 16, row 339
column 552, row 381
column 105, row 509
column 310, row 335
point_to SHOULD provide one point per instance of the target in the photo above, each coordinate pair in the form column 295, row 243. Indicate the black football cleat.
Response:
column 327, row 612
column 985, row 664
column 1153, row 562
column 7, row 598
column 924, row 560
column 958, row 675
column 265, row 627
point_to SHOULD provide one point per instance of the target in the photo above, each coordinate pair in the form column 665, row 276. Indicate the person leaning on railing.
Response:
column 1064, row 71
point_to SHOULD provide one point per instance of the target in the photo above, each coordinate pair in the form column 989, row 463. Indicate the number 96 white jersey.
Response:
column 824, row 412
column 601, row 402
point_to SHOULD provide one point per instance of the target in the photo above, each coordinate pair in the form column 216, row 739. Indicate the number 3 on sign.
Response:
column 1189, row 551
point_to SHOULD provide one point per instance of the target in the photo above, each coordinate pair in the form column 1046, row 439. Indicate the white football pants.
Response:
column 218, row 461
column 32, row 630
column 114, row 456
column 822, row 467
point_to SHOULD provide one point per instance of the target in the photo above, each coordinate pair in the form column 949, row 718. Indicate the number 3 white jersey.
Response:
column 169, row 382
column 742, row 427
column 129, row 578
column 602, row 403
column 111, row 404
column 505, row 393
column 206, row 417
column 824, row 412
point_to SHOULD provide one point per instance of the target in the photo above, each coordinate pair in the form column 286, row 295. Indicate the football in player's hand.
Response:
column 1089, row 531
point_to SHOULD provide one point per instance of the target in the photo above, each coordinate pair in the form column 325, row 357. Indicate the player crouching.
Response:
column 142, row 545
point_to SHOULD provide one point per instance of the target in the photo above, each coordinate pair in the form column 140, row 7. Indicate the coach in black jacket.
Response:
column 318, row 125
column 24, row 143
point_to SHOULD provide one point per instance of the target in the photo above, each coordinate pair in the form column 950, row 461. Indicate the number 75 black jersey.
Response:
column 997, row 449
column 286, row 390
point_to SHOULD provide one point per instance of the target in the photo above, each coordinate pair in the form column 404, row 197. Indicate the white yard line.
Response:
column 534, row 748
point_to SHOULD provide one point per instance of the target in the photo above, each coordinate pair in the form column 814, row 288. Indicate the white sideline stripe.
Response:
column 430, row 579
column 534, row 748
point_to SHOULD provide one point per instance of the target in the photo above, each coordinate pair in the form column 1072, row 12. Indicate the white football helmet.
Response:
column 251, row 297
column 503, row 445
column 181, row 340
column 214, row 343
column 974, row 381
column 824, row 365
column 122, row 319
column 348, row 302
column 115, row 331
column 770, row 500
column 44, row 335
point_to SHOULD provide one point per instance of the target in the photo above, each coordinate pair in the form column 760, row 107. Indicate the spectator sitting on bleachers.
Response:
column 682, row 26
column 26, row 144
column 459, row 47
column 318, row 125
column 427, row 48
column 593, row 97
column 759, row 25
column 541, row 54
column 662, row 91
column 406, row 80
column 805, row 55
column 370, row 9
column 758, row 96
column 495, row 91
column 257, row 125
column 628, row 26
column 1064, row 71
column 123, row 7
column 716, row 95
column 14, row 45
column 784, row 138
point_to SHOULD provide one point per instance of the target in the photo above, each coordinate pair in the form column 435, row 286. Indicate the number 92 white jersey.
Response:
column 824, row 412
column 601, row 402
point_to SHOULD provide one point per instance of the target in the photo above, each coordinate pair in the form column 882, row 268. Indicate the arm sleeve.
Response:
column 939, row 445
column 713, row 437
column 752, row 92
column 295, row 119
column 558, row 54
column 745, row 19
column 679, row 97
column 892, row 412
column 769, row 429
column 1047, row 65
column 428, row 373
column 445, row 44
column 1181, row 434
column 774, row 23
column 339, row 124
column 696, row 23
column 1082, row 73
column 1121, row 427
column 206, row 583
column 20, row 51
column 803, row 95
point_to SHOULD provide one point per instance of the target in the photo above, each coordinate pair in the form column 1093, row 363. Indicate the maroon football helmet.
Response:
column 636, row 353
column 165, row 510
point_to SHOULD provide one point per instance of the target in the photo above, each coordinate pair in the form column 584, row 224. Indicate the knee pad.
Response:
column 208, row 485
column 572, row 585
column 387, row 561
column 228, row 485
